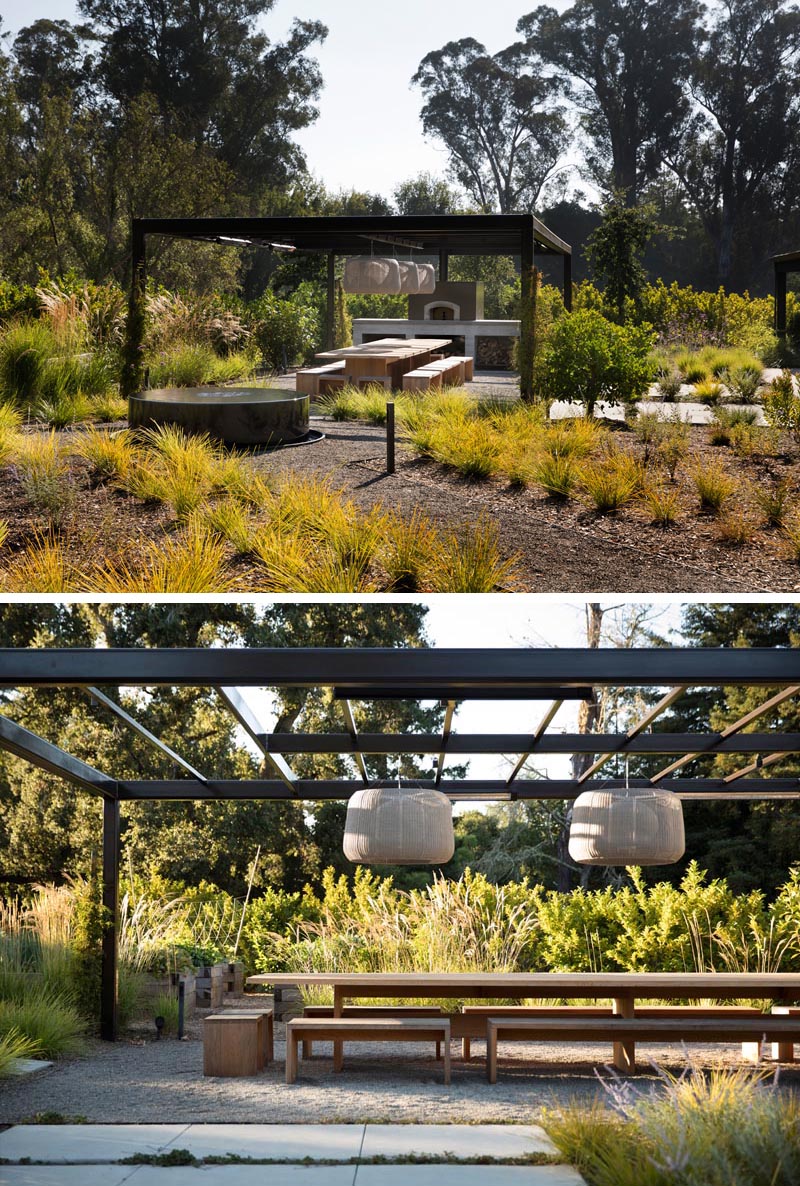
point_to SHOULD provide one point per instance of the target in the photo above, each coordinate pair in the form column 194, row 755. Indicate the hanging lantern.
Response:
column 627, row 825
column 410, row 277
column 393, row 826
column 371, row 274
column 427, row 281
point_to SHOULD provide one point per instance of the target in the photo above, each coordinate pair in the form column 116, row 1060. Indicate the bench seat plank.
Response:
column 365, row 1029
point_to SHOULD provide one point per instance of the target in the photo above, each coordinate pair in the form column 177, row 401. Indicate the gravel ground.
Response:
column 143, row 1081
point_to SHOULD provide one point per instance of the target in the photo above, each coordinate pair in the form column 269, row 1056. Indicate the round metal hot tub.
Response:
column 235, row 415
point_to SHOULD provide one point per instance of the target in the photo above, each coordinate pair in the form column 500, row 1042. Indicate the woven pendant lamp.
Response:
column 371, row 274
column 411, row 275
column 627, row 825
column 427, row 279
column 393, row 826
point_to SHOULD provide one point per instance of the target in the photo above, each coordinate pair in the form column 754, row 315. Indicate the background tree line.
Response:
column 48, row 830
column 690, row 110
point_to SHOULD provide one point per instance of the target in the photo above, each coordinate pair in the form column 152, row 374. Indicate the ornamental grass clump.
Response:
column 773, row 501
column 110, row 455
column 743, row 382
column 10, row 425
column 662, row 504
column 13, row 1047
column 472, row 563
column 737, row 527
column 193, row 561
column 557, row 475
column 45, row 476
column 674, row 445
column 610, row 484
column 708, row 391
column 407, row 552
column 44, row 567
column 699, row 1128
column 54, row 1026
column 713, row 486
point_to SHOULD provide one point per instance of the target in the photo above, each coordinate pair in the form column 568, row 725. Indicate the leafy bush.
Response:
column 588, row 358
column 781, row 404
column 285, row 331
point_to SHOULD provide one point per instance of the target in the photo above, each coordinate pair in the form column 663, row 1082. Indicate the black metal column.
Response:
column 567, row 282
column 330, row 316
column 527, row 312
column 132, row 378
column 444, row 267
column 108, row 989
column 780, row 301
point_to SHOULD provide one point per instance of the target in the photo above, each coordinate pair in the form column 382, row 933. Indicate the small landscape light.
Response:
column 159, row 1026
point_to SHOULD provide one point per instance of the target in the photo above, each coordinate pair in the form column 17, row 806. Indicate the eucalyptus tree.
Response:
column 498, row 120
column 625, row 64
column 737, row 158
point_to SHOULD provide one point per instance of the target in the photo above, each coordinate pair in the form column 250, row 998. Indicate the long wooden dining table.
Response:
column 623, row 989
column 385, row 358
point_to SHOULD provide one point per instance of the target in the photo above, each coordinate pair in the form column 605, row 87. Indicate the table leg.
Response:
column 624, row 1053
column 338, row 1050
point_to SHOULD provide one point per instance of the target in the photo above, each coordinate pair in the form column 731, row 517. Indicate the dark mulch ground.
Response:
column 563, row 548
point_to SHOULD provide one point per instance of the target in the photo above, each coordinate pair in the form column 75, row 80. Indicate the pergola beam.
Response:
column 119, row 712
column 635, row 730
column 713, row 746
column 479, row 789
column 446, row 731
column 349, row 719
column 252, row 726
column 523, row 672
column 524, row 743
column 34, row 749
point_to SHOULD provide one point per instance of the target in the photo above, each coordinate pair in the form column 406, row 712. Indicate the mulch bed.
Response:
column 561, row 547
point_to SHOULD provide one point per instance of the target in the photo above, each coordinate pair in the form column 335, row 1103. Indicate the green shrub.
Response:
column 285, row 331
column 588, row 358
column 25, row 348
column 50, row 1022
column 781, row 404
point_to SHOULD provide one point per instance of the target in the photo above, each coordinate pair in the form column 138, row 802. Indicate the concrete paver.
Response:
column 457, row 1140
column 85, row 1142
column 67, row 1175
column 248, row 1175
column 321, row 1142
column 467, row 1175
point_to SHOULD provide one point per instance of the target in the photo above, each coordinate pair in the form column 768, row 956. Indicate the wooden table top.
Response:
column 388, row 348
column 548, row 984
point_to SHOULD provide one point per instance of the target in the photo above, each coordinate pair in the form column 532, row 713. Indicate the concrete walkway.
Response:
column 85, row 1155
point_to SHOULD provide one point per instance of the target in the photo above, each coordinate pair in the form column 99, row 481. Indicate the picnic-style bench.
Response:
column 371, row 1011
column 238, row 1042
column 452, row 370
column 479, row 1014
column 365, row 1029
column 636, row 1029
column 308, row 381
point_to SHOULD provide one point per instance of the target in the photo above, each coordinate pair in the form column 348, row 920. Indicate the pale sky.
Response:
column 369, row 135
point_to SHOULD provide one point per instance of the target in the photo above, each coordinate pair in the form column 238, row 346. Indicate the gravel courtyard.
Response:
column 139, row 1080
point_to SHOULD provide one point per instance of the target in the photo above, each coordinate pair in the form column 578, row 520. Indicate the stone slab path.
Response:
column 84, row 1155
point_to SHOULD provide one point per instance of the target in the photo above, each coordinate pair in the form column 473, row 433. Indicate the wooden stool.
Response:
column 238, row 1043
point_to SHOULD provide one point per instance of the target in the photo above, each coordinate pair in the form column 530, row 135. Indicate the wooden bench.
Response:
column 635, row 1029
column 307, row 382
column 372, row 1011
column 238, row 1042
column 365, row 1029
column 482, row 1012
column 422, row 379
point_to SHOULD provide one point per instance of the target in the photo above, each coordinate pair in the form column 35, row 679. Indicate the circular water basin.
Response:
column 235, row 415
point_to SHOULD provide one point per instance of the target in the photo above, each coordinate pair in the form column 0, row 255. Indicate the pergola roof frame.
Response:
column 782, row 266
column 521, row 235
column 450, row 674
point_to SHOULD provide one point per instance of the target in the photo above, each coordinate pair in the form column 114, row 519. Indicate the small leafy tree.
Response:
column 616, row 248
column 587, row 357
column 342, row 321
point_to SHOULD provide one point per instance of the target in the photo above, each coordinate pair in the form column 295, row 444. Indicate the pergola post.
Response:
column 567, row 282
column 132, row 378
column 780, row 300
column 109, row 972
column 444, row 266
column 330, row 316
column 527, row 313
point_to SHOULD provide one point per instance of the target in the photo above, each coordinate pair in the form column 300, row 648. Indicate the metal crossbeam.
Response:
column 446, row 730
column 644, row 723
column 732, row 729
column 34, row 749
column 475, row 789
column 347, row 710
column 535, row 740
column 525, row 743
column 523, row 672
column 118, row 711
column 252, row 726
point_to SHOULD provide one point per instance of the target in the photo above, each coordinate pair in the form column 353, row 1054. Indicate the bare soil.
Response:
column 559, row 547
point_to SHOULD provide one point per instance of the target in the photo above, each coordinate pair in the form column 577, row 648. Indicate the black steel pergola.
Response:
column 783, row 266
column 442, row 235
column 450, row 676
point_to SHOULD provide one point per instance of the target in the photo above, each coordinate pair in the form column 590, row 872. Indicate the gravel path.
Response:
column 144, row 1081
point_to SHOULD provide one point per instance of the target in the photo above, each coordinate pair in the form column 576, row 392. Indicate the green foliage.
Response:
column 743, row 383
column 615, row 250
column 190, row 365
column 13, row 1046
column 166, row 1005
column 54, row 1027
column 699, row 1129
column 87, row 936
column 342, row 321
column 588, row 358
column 782, row 405
column 284, row 330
